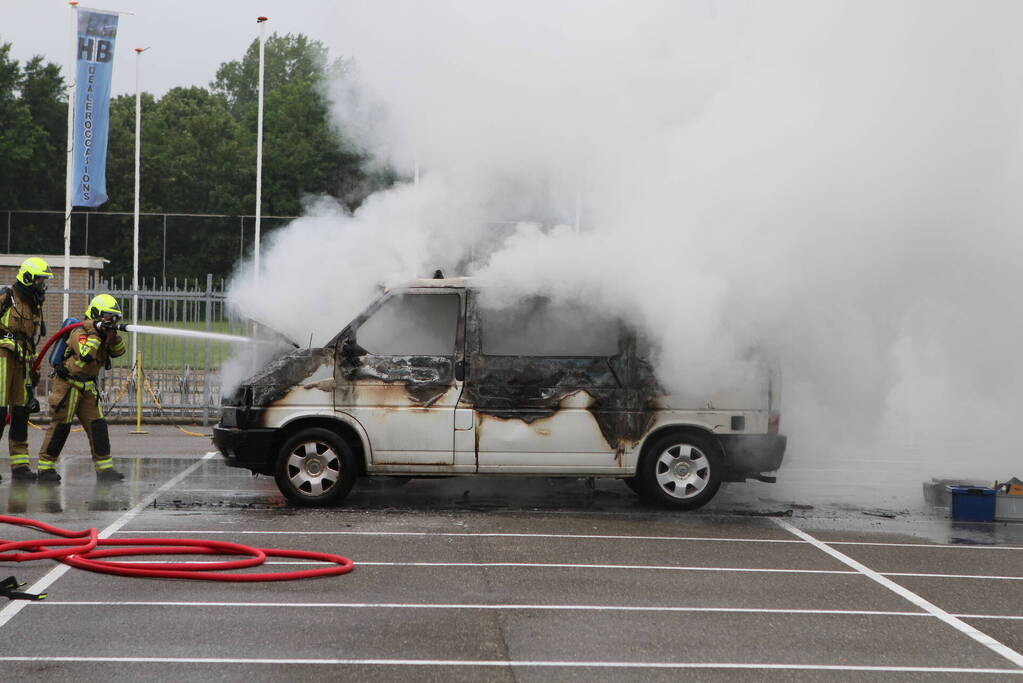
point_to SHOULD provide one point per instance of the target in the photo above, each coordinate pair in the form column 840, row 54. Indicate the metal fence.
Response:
column 181, row 376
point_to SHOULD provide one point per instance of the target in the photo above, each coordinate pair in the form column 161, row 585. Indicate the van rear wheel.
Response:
column 680, row 470
column 315, row 467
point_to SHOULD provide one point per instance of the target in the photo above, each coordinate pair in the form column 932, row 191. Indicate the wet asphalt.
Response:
column 509, row 579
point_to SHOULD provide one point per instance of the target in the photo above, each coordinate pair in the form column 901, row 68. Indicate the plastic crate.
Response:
column 972, row 503
column 1008, row 508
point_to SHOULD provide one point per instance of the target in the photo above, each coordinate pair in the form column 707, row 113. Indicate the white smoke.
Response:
column 835, row 182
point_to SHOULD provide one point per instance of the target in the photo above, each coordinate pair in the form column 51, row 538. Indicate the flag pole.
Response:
column 72, row 78
column 259, row 144
column 138, row 158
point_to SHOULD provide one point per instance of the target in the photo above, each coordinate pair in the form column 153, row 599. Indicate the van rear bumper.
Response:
column 747, row 455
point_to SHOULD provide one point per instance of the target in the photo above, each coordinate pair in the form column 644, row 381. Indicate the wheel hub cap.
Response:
column 681, row 469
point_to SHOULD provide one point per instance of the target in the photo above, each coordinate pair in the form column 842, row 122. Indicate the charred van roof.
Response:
column 430, row 283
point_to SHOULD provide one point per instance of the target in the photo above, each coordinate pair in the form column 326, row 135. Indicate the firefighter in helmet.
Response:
column 74, row 391
column 21, row 326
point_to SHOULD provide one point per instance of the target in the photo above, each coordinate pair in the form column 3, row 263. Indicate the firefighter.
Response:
column 21, row 325
column 74, row 391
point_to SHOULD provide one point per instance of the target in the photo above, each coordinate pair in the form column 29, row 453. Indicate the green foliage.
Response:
column 198, row 156
column 21, row 138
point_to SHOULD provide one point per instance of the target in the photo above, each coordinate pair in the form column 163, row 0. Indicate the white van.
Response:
column 432, row 380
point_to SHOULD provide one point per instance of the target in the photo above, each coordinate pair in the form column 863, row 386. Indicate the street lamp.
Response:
column 259, row 142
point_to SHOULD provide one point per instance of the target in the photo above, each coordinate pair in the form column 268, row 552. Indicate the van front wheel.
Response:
column 680, row 470
column 315, row 467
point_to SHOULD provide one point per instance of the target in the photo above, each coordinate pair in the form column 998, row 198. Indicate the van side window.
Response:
column 539, row 327
column 412, row 325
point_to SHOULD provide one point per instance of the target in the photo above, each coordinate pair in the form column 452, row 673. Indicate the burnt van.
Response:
column 441, row 378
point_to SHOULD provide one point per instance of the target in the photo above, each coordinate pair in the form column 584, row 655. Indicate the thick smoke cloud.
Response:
column 833, row 182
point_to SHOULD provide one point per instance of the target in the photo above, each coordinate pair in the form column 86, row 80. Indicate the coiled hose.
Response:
column 85, row 550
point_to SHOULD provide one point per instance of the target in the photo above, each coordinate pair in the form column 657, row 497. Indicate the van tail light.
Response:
column 773, row 422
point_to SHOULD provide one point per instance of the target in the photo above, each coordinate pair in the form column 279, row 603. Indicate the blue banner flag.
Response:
column 95, row 64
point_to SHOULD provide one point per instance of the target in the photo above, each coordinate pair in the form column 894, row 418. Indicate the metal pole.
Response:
column 259, row 143
column 165, row 248
column 8, row 232
column 241, row 239
column 72, row 73
column 206, row 345
column 138, row 165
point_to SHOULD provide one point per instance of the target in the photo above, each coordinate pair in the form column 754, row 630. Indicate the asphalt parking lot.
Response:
column 501, row 579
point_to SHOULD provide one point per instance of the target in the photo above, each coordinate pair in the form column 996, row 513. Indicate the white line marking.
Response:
column 553, row 565
column 598, row 537
column 961, row 626
column 469, row 606
column 369, row 563
column 40, row 586
column 471, row 535
column 955, row 576
column 595, row 608
column 928, row 545
column 517, row 663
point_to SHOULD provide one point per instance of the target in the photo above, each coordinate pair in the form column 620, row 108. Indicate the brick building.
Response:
column 86, row 272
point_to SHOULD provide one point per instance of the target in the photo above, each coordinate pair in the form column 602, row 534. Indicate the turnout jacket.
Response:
column 89, row 352
column 19, row 327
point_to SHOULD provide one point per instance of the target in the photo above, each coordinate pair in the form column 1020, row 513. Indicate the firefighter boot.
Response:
column 23, row 474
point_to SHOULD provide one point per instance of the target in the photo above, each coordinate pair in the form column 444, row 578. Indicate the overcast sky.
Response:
column 189, row 39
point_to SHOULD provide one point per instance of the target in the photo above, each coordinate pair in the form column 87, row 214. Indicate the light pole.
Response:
column 259, row 143
column 72, row 71
column 138, row 157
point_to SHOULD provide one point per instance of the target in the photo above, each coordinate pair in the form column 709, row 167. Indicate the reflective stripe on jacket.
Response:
column 88, row 351
column 19, row 326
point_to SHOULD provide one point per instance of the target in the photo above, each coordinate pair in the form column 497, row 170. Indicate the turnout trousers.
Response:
column 14, row 393
column 69, row 398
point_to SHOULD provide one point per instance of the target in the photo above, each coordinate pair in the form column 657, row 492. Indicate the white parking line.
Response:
column 40, row 586
column 471, row 606
column 566, row 565
column 953, row 546
column 956, row 623
column 607, row 537
column 492, row 663
column 992, row 577
column 597, row 537
column 850, row 572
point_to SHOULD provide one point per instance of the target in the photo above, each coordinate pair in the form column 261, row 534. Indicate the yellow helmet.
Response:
column 100, row 305
column 32, row 268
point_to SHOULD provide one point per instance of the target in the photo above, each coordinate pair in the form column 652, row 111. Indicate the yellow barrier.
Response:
column 138, row 394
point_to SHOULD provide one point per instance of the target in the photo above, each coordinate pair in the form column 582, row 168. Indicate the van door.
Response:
column 396, row 374
column 543, row 384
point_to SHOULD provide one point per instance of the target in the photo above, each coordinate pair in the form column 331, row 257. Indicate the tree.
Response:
column 198, row 157
column 44, row 92
column 20, row 136
column 303, row 152
column 287, row 58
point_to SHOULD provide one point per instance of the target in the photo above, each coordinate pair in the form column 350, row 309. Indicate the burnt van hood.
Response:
column 280, row 375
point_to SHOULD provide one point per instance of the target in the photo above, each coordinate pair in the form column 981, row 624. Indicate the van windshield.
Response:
column 412, row 325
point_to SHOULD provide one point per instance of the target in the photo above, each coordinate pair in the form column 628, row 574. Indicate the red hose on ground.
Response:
column 81, row 551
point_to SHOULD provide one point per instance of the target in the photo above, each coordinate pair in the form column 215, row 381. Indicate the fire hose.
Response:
column 49, row 342
column 123, row 328
column 83, row 549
